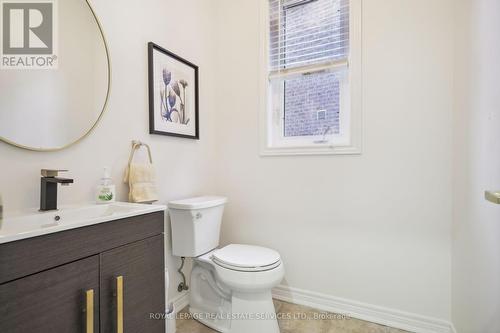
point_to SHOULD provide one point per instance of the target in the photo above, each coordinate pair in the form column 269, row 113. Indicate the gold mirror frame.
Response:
column 103, row 107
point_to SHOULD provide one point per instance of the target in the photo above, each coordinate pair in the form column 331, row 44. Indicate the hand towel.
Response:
column 141, row 179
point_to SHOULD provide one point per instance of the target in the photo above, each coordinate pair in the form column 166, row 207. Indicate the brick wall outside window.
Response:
column 306, row 95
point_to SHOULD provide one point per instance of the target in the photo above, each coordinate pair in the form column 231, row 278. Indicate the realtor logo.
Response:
column 28, row 34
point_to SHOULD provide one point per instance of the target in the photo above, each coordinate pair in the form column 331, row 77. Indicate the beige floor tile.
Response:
column 301, row 319
column 191, row 326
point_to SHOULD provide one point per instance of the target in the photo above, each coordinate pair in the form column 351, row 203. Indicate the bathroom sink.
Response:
column 22, row 226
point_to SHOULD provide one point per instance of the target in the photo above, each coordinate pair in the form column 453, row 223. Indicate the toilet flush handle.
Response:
column 492, row 196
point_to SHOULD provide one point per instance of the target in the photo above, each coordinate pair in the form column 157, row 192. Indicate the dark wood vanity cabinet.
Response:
column 112, row 284
column 51, row 301
column 141, row 268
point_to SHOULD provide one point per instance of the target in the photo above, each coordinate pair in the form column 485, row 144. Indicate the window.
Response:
column 312, row 77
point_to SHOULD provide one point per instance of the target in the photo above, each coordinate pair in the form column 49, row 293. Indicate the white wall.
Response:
column 476, row 231
column 183, row 166
column 373, row 228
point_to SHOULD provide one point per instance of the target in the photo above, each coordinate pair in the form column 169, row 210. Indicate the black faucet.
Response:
column 48, row 192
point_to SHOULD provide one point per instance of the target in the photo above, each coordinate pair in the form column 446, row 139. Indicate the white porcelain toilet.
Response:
column 231, row 286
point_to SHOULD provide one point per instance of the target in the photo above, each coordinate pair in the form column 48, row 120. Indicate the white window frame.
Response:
column 349, row 141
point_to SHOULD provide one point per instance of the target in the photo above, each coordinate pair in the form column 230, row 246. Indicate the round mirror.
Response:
column 55, row 79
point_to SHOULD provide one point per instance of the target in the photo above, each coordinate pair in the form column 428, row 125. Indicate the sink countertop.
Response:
column 23, row 225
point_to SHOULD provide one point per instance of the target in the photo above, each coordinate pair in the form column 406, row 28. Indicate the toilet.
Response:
column 230, row 289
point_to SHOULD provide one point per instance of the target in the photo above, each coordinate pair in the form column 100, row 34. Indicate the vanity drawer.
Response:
column 33, row 255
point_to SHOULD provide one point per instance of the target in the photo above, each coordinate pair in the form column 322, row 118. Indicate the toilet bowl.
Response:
column 231, row 286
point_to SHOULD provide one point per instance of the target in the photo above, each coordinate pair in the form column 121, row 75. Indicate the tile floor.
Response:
column 333, row 324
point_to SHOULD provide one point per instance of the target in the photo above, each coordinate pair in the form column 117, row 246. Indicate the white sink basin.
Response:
column 37, row 224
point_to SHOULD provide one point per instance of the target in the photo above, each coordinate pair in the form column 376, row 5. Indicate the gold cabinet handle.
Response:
column 119, row 304
column 89, row 311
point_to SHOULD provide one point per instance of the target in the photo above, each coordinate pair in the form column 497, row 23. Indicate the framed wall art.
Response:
column 173, row 94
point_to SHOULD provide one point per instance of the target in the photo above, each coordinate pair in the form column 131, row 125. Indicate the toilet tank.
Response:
column 196, row 225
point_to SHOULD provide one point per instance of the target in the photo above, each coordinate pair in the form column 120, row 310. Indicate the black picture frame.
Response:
column 152, row 98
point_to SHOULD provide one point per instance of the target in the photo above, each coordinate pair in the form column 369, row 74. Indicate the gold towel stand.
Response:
column 136, row 144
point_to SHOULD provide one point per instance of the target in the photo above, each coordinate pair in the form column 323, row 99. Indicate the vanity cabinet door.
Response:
column 52, row 301
column 133, row 287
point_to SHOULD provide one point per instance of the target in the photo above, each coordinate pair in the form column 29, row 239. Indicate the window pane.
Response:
column 312, row 105
column 305, row 32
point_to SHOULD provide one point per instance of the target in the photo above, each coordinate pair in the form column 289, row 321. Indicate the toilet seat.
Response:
column 246, row 258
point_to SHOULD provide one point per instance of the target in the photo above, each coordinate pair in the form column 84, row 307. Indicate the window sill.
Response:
column 310, row 150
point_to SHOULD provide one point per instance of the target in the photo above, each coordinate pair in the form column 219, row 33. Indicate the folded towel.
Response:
column 142, row 183
column 141, row 179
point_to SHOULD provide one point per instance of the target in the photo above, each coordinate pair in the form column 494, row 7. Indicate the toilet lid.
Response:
column 246, row 257
column 197, row 203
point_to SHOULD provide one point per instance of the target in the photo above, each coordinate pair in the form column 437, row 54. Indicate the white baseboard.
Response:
column 376, row 314
column 368, row 312
column 180, row 301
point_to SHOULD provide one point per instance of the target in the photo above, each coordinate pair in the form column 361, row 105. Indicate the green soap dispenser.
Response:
column 106, row 191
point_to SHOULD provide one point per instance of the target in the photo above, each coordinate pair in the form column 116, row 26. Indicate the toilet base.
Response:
column 230, row 310
column 255, row 313
column 250, row 313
